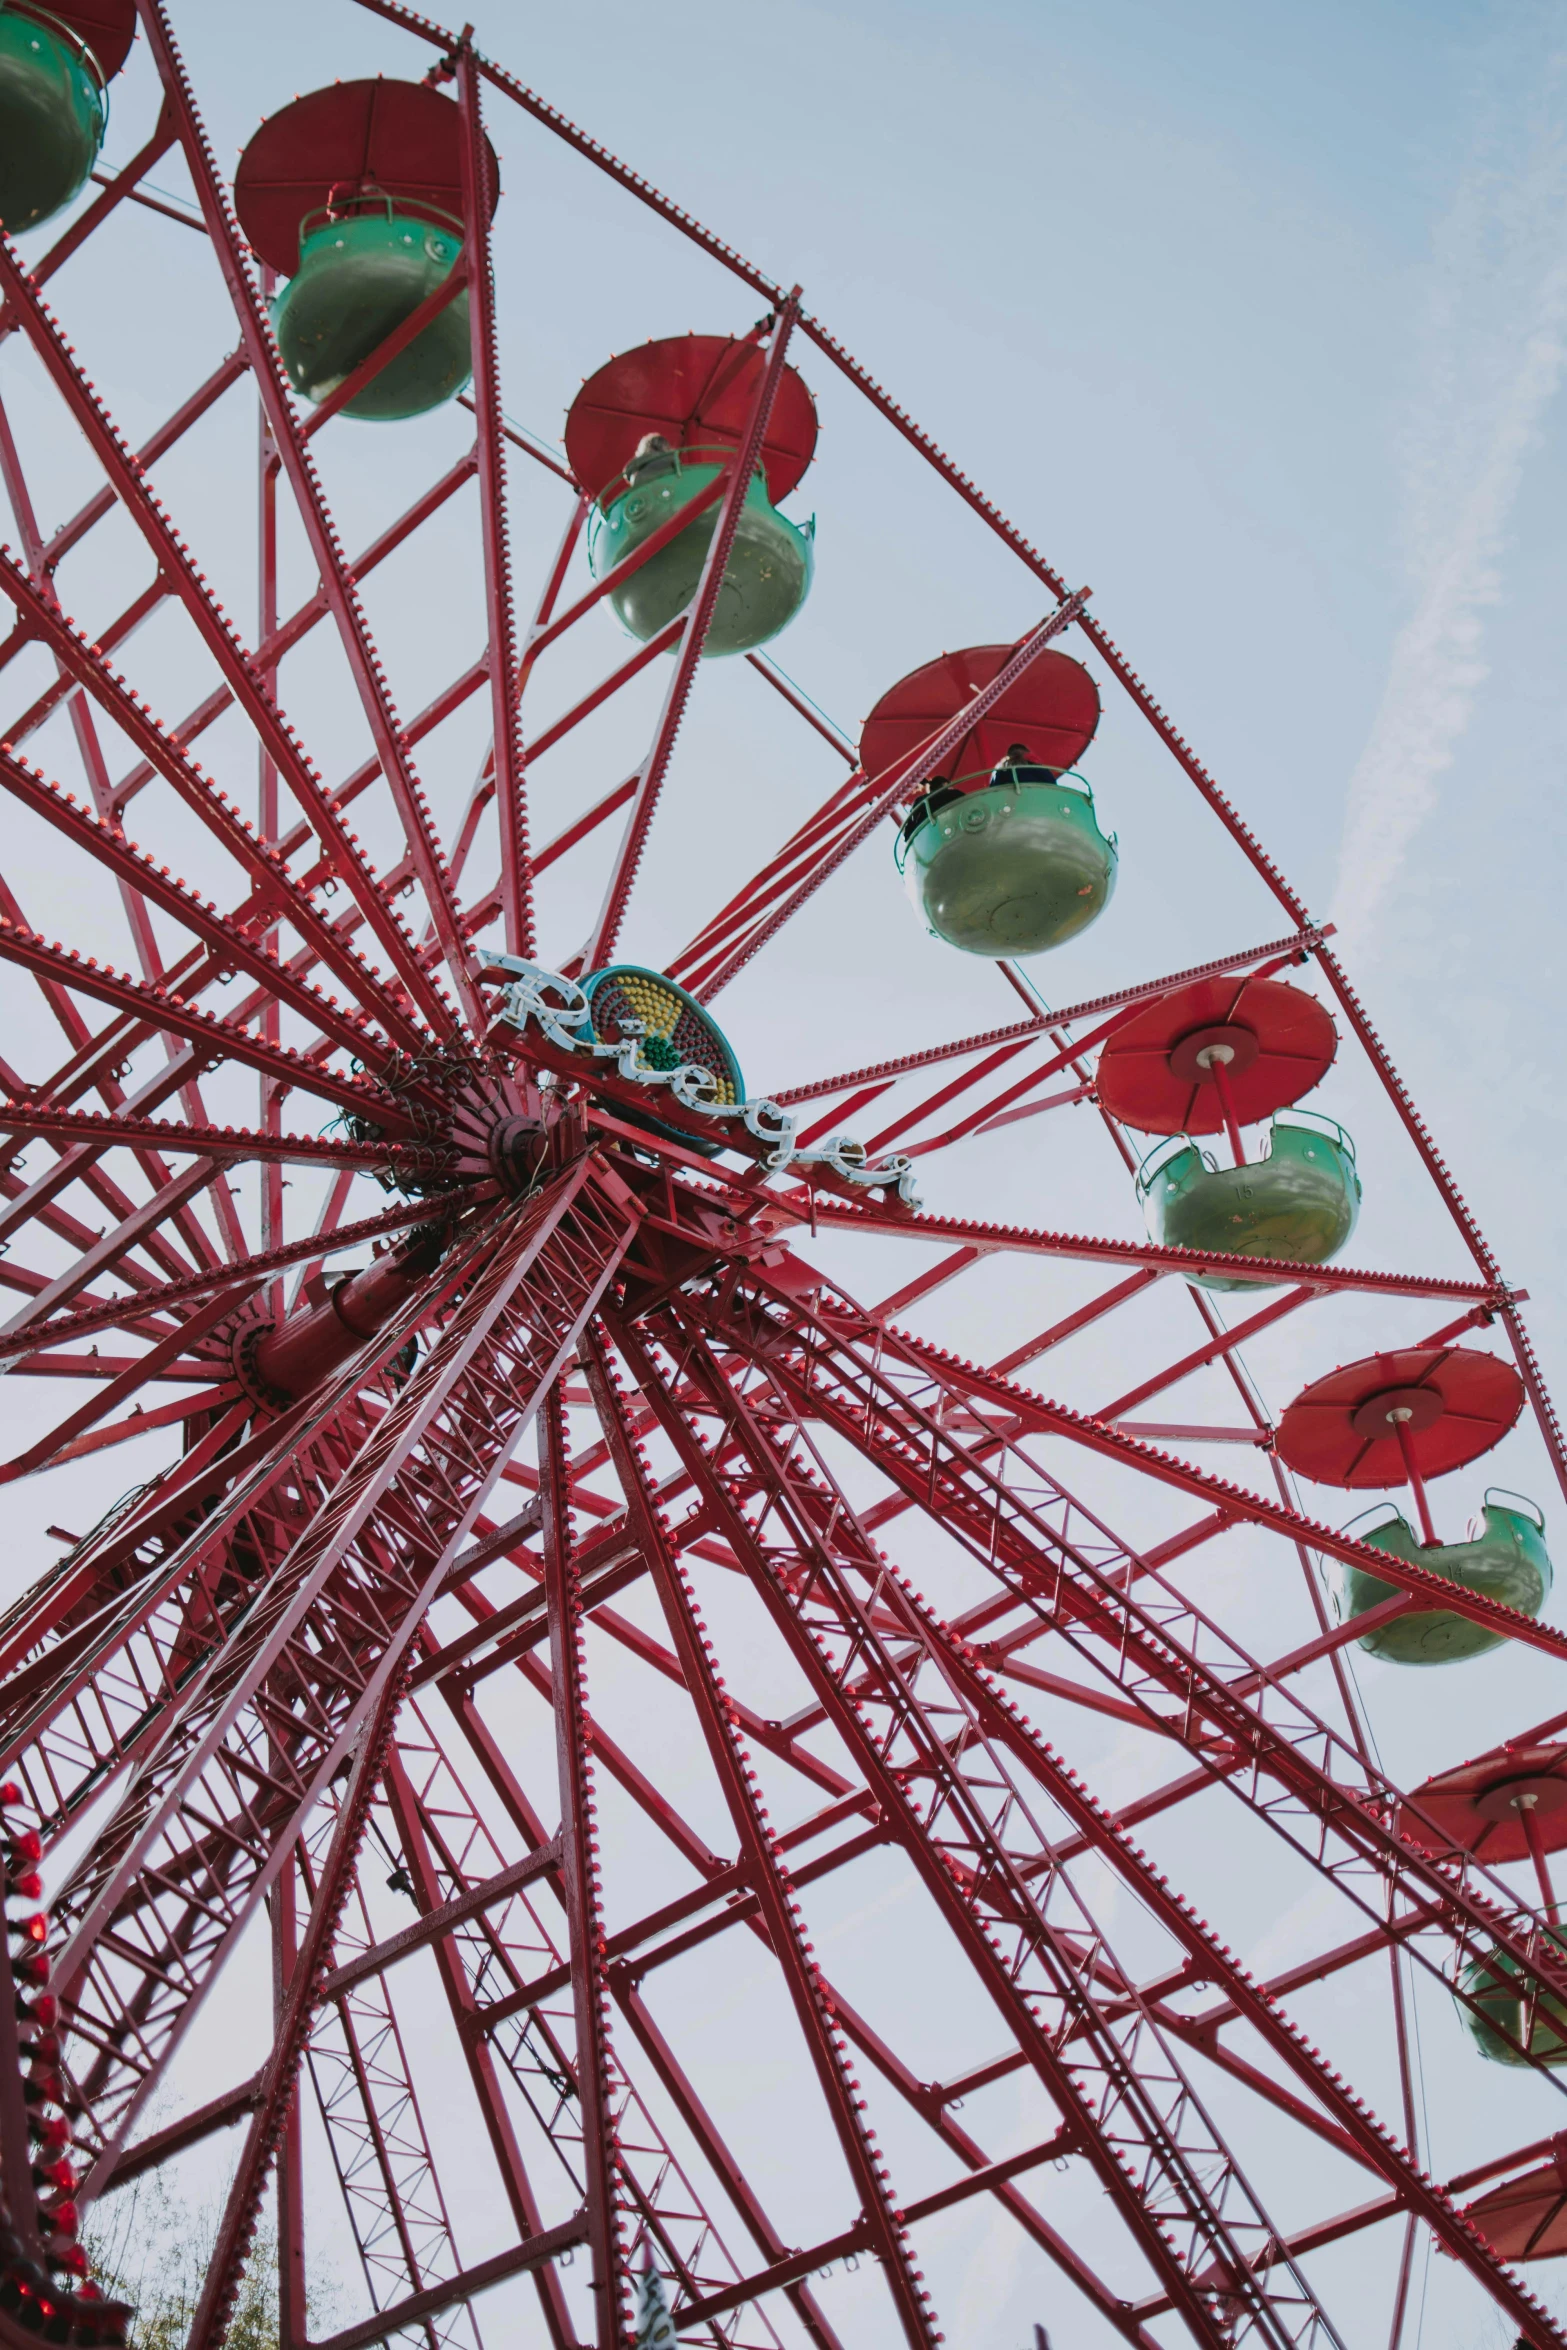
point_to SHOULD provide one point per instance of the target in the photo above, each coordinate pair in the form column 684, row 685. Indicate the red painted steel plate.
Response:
column 395, row 136
column 1475, row 1806
column 1054, row 708
column 107, row 26
column 1481, row 1398
column 1526, row 2218
column 695, row 390
column 1145, row 1080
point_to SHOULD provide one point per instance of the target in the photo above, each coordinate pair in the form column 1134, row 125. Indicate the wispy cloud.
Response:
column 1495, row 349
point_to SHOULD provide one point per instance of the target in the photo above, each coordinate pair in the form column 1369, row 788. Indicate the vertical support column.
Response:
column 510, row 801
column 1524, row 1805
column 579, row 1882
column 767, row 1872
column 1214, row 1058
column 277, row 2102
column 482, row 2074
column 1395, row 1959
column 1148, row 2140
column 16, row 2152
column 270, row 1172
column 1417, row 1484
column 1406, row 2257
column 290, row 2174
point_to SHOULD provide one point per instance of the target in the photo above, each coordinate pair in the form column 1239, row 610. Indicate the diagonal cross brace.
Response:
column 883, row 1393
column 1129, row 2108
column 212, row 1810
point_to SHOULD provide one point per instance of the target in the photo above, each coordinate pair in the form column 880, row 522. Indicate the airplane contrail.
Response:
column 1496, row 349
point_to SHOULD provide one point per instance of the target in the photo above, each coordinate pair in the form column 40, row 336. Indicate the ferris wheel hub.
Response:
column 518, row 1150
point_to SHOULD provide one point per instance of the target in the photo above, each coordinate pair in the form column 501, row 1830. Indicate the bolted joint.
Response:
column 518, row 1150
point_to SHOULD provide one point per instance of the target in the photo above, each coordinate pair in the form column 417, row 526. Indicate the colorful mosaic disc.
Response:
column 676, row 1030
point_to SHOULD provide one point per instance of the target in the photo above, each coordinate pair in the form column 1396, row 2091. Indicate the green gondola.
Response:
column 54, row 109
column 360, row 275
column 1506, row 2025
column 766, row 579
column 1298, row 1203
column 1504, row 1559
column 1013, row 868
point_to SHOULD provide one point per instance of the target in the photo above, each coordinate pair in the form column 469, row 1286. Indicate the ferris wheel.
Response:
column 730, row 1823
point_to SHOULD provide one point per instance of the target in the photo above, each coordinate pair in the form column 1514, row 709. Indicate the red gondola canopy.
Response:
column 395, row 137
column 1474, row 1400
column 697, row 391
column 1053, row 708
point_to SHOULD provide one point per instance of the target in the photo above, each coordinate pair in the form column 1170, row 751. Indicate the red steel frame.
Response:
column 309, row 1644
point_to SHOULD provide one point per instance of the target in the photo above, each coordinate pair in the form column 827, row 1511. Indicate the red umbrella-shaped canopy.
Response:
column 1277, row 1044
column 1460, row 1403
column 1480, row 1806
column 107, row 26
column 697, row 391
column 1526, row 2218
column 1053, row 708
column 395, row 138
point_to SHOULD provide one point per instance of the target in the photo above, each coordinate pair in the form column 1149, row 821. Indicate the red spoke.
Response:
column 137, row 1230
column 215, row 631
column 200, row 795
column 501, row 633
column 342, row 597
column 1274, row 954
column 214, row 1142
column 247, row 1274
column 1324, row 1278
column 219, row 1039
column 70, row 534
column 165, row 1355
column 276, row 641
column 236, row 949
